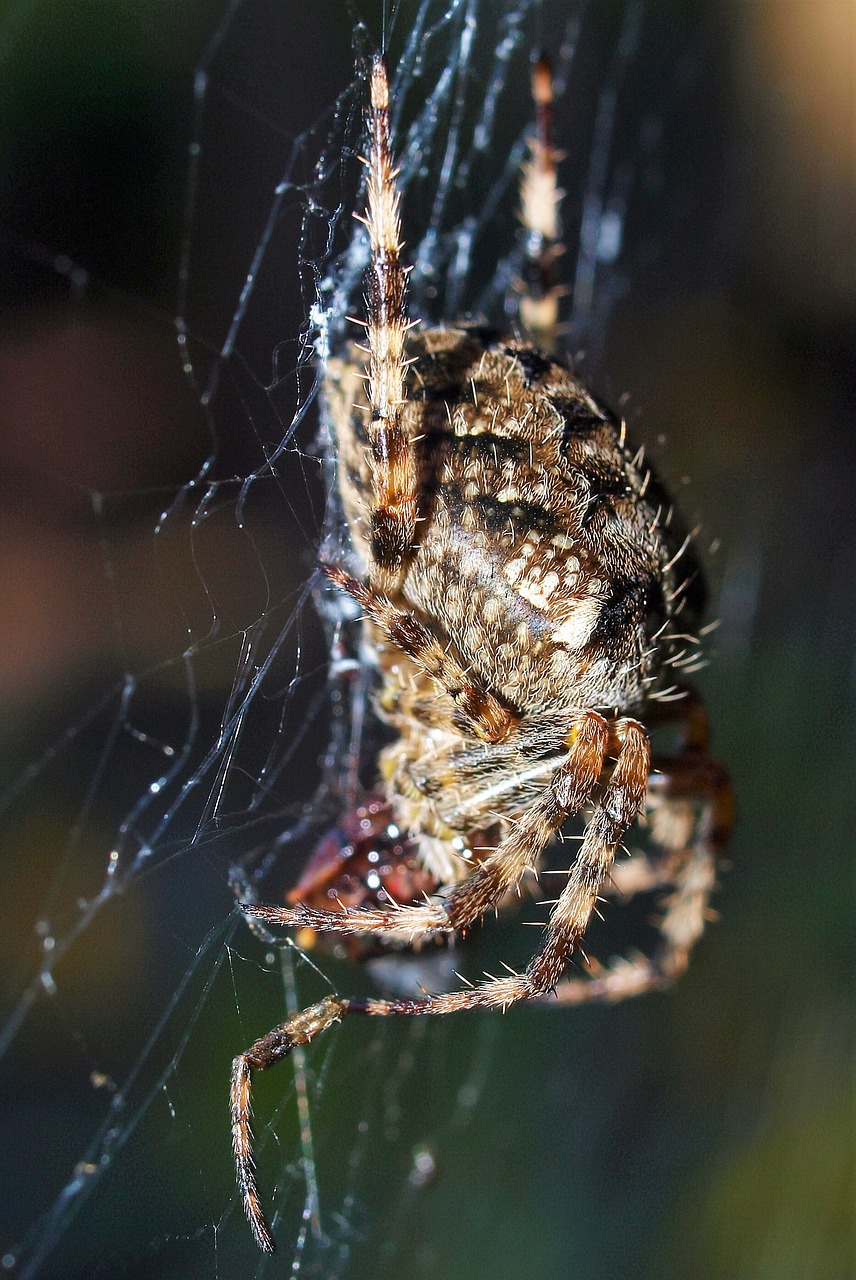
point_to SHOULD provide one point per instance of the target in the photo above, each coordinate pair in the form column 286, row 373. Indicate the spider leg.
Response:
column 692, row 842
column 570, row 787
column 539, row 206
column 479, row 712
column 265, row 1053
column 638, row 874
column 691, row 713
column 619, row 806
column 675, row 822
column 393, row 467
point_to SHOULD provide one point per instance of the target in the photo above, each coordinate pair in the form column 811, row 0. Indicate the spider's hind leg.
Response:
column 540, row 198
column 690, row 813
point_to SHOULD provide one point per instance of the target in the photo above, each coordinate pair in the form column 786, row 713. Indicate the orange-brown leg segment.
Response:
column 393, row 514
column 265, row 1053
column 501, row 871
column 540, row 198
column 690, row 813
column 618, row 807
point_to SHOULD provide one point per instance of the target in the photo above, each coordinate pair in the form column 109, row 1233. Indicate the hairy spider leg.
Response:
column 394, row 510
column 621, row 801
column 569, row 789
column 540, row 199
column 692, row 813
column 479, row 712
column 393, row 466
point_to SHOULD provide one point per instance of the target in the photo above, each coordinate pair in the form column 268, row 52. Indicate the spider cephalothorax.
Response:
column 527, row 594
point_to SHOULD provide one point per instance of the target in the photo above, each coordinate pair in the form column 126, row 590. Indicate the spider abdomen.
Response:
column 539, row 556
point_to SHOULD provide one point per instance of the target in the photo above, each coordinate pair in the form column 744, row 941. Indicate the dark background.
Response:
column 705, row 1132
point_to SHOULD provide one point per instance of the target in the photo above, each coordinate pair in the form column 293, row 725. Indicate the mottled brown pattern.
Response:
column 555, row 571
column 527, row 594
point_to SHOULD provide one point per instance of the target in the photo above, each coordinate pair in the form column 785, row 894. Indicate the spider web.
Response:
column 208, row 768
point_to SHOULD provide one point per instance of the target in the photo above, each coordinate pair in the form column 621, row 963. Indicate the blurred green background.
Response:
column 707, row 1132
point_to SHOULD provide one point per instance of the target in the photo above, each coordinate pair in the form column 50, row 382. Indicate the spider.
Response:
column 527, row 593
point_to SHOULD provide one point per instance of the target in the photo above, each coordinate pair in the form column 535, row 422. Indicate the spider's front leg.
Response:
column 497, row 875
column 569, row 788
column 266, row 1052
